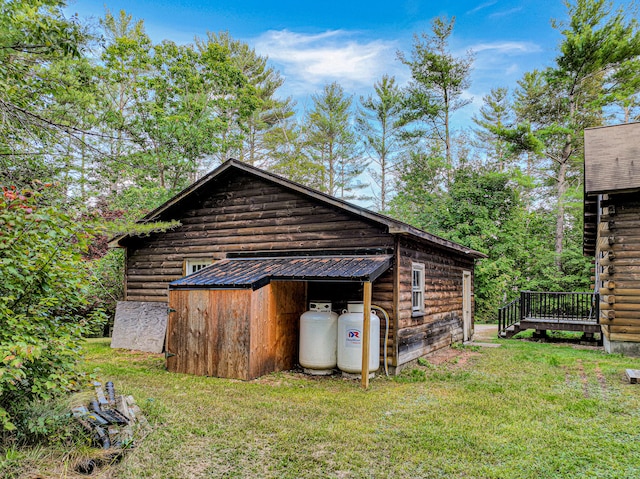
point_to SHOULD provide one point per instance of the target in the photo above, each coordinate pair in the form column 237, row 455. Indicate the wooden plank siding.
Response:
column 209, row 333
column 618, row 267
column 242, row 214
column 239, row 334
column 441, row 324
column 275, row 312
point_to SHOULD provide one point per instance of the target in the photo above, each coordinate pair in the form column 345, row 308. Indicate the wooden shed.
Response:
column 612, row 230
column 253, row 248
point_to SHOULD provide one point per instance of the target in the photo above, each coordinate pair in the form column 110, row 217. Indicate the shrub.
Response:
column 42, row 295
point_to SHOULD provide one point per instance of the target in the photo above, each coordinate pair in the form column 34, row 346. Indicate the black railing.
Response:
column 560, row 307
column 509, row 314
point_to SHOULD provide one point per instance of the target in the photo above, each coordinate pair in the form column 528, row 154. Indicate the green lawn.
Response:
column 524, row 410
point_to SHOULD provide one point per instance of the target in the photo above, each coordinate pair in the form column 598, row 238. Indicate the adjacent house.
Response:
column 254, row 248
column 612, row 230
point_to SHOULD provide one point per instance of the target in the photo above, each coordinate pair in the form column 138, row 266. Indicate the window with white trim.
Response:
column 193, row 265
column 417, row 287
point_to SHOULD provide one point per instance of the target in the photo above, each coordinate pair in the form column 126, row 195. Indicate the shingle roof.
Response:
column 257, row 272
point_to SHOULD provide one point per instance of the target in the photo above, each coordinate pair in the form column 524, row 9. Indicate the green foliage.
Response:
column 438, row 80
column 42, row 295
column 35, row 39
column 331, row 142
column 379, row 123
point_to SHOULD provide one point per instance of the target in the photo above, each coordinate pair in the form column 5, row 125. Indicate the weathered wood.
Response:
column 366, row 334
column 633, row 375
column 624, row 328
column 619, row 321
column 626, row 307
column 607, row 314
column 250, row 214
column 627, row 292
column 632, row 338
column 162, row 299
column 209, row 333
column 623, row 299
column 605, row 243
column 607, row 298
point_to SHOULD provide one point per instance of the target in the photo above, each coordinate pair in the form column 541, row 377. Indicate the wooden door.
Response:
column 186, row 345
column 208, row 333
column 466, row 306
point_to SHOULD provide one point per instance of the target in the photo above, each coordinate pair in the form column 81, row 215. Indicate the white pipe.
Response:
column 386, row 336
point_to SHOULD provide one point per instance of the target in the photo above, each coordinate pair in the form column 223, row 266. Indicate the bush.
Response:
column 42, row 296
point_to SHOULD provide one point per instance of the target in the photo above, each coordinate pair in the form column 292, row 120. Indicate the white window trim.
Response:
column 417, row 306
column 193, row 265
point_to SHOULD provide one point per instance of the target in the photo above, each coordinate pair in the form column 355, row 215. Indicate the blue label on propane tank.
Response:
column 354, row 338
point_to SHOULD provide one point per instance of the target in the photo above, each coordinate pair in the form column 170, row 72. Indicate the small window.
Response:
column 417, row 287
column 194, row 265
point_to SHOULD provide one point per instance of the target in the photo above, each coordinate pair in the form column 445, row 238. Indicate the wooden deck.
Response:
column 549, row 312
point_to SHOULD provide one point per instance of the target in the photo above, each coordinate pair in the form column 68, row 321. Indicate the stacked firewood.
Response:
column 114, row 421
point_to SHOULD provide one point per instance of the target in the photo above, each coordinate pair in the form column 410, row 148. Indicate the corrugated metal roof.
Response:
column 257, row 272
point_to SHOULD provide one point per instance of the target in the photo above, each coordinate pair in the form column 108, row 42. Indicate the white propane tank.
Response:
column 318, row 336
column 350, row 325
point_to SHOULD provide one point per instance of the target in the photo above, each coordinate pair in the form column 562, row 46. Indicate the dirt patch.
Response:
column 451, row 356
column 485, row 332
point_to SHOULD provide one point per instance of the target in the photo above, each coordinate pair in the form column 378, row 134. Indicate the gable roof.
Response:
column 393, row 226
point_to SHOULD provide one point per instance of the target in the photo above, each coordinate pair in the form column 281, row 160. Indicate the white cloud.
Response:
column 512, row 69
column 505, row 13
column 482, row 6
column 309, row 61
column 506, row 48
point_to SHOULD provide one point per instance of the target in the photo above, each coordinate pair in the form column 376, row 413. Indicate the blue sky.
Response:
column 355, row 42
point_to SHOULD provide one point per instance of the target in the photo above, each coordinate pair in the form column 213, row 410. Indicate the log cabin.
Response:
column 612, row 231
column 251, row 251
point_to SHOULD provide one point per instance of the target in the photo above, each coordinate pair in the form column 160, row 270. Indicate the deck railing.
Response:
column 549, row 306
column 509, row 314
column 559, row 306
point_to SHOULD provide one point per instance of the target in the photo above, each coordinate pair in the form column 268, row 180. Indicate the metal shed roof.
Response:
column 257, row 272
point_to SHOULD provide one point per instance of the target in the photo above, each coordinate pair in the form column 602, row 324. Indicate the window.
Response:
column 194, row 265
column 417, row 287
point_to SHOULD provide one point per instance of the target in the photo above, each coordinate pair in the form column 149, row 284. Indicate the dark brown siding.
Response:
column 618, row 261
column 382, row 295
column 441, row 323
column 243, row 214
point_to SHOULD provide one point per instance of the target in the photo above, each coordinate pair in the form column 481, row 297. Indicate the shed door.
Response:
column 208, row 332
column 466, row 305
column 187, row 346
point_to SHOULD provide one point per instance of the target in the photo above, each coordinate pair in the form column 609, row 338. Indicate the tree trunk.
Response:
column 561, row 190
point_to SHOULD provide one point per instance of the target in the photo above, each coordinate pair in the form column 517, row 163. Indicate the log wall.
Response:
column 441, row 324
column 618, row 267
column 241, row 214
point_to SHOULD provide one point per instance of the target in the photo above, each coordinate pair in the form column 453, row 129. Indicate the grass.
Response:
column 524, row 410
